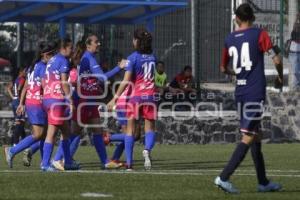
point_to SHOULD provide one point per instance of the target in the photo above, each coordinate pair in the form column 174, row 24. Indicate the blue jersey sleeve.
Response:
column 112, row 72
column 64, row 66
column 130, row 63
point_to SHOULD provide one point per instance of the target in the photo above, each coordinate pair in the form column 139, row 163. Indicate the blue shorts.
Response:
column 36, row 114
column 250, row 114
column 15, row 104
column 121, row 117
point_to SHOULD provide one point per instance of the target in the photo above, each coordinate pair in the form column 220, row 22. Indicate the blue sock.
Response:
column 23, row 144
column 129, row 143
column 48, row 148
column 66, row 151
column 74, row 144
column 42, row 142
column 100, row 148
column 117, row 137
column 34, row 147
column 59, row 152
column 118, row 151
column 149, row 140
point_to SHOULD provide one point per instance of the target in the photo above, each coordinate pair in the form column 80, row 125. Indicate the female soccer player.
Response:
column 247, row 46
column 75, row 128
column 92, row 79
column 56, row 98
column 32, row 97
column 14, row 89
column 140, row 71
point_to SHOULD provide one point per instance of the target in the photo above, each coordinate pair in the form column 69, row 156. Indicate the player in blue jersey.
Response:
column 92, row 79
column 31, row 100
column 246, row 47
column 56, row 99
column 139, row 72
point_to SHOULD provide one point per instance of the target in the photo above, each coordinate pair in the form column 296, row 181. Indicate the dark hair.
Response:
column 295, row 35
column 160, row 62
column 88, row 39
column 187, row 67
column 144, row 41
column 63, row 43
column 245, row 13
column 43, row 48
column 79, row 50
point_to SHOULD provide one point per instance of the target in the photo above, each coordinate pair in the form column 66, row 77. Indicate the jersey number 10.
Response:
column 245, row 58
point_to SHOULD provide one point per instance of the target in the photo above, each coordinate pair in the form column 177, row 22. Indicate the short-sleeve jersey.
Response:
column 34, row 89
column 246, row 49
column 56, row 66
column 89, row 85
column 142, row 67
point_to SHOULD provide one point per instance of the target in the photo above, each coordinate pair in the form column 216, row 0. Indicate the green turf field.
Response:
column 180, row 172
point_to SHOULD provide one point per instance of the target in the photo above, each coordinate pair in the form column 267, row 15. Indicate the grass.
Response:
column 180, row 172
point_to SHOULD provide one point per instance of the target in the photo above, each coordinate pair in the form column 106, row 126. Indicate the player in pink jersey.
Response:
column 32, row 97
column 57, row 97
column 140, row 71
column 58, row 162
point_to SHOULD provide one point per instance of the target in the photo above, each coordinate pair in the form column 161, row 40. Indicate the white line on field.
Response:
column 170, row 172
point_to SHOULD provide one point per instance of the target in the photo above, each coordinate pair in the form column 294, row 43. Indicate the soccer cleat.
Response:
column 27, row 157
column 58, row 165
column 71, row 167
column 147, row 157
column 129, row 169
column 48, row 169
column 226, row 186
column 121, row 164
column 112, row 165
column 8, row 156
column 271, row 187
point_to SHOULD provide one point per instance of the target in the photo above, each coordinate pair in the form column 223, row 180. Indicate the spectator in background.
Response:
column 14, row 90
column 160, row 77
column 161, row 84
column 184, row 82
column 294, row 54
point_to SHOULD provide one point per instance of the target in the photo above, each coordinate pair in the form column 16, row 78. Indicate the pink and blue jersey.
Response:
column 34, row 95
column 34, row 90
column 57, row 65
column 247, row 48
column 142, row 103
column 54, row 98
column 142, row 67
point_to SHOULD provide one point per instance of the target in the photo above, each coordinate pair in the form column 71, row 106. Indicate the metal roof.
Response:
column 86, row 11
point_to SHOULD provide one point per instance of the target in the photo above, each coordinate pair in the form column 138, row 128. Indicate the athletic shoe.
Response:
column 112, row 165
column 27, row 157
column 48, row 169
column 271, row 187
column 129, row 169
column 226, row 186
column 58, row 165
column 72, row 166
column 147, row 157
column 8, row 156
column 121, row 164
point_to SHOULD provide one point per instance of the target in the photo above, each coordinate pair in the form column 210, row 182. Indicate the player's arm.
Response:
column 224, row 64
column 9, row 90
column 23, row 93
column 66, row 87
column 123, row 84
column 21, row 109
column 266, row 46
column 21, row 85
